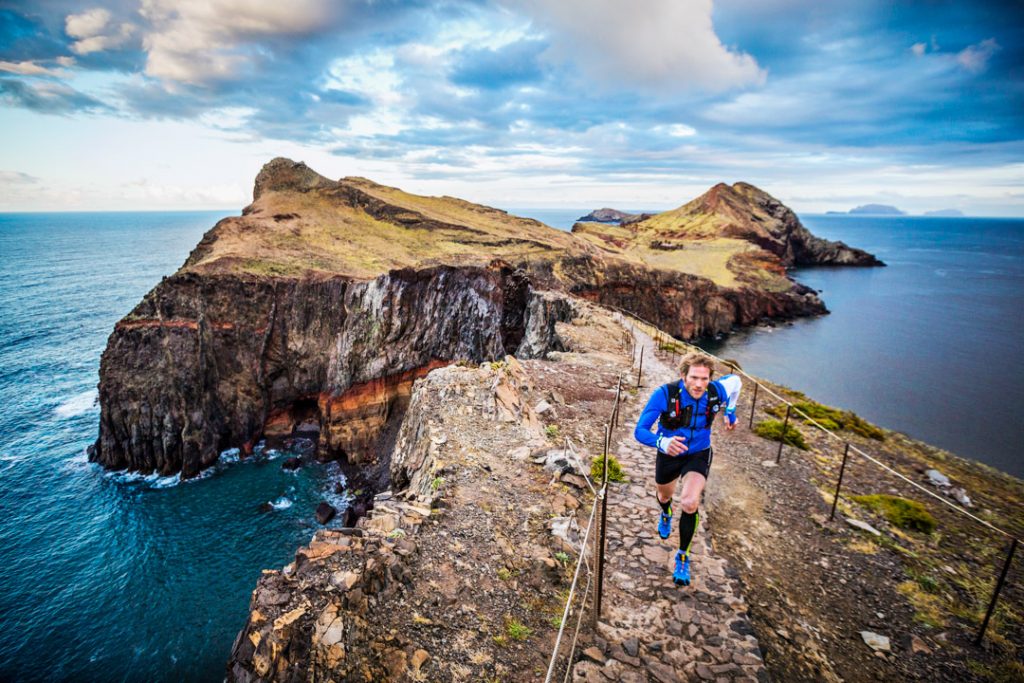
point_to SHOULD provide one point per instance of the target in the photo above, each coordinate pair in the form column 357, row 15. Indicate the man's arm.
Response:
column 732, row 386
column 642, row 432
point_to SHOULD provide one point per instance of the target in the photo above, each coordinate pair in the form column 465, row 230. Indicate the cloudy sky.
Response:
column 156, row 104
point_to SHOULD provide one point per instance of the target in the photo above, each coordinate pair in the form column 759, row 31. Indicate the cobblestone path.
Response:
column 651, row 629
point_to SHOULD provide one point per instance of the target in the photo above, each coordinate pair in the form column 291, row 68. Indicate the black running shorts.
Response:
column 668, row 468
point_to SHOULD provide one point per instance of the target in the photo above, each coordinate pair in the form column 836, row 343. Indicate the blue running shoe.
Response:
column 665, row 523
column 681, row 576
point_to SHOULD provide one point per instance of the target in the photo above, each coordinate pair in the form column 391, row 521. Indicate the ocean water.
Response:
column 106, row 577
column 929, row 346
column 114, row 578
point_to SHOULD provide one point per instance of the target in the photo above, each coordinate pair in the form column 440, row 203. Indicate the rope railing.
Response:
column 570, row 449
column 659, row 336
column 600, row 499
column 572, row 590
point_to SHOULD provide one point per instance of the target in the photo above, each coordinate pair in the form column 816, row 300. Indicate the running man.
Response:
column 685, row 411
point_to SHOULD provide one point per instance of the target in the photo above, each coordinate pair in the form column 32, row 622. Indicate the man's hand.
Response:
column 730, row 421
column 676, row 446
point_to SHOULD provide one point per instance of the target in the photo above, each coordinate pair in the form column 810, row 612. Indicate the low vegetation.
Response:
column 774, row 430
column 615, row 473
column 901, row 512
column 830, row 418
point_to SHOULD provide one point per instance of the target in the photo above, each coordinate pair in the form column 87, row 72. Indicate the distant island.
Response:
column 877, row 210
column 887, row 210
column 613, row 216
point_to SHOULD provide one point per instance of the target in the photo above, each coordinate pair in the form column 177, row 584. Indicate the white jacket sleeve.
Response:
column 732, row 386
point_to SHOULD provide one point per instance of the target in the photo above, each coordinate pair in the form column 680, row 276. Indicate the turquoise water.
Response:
column 104, row 576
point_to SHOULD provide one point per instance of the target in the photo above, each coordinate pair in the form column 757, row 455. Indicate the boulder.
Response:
column 863, row 526
column 876, row 642
column 325, row 512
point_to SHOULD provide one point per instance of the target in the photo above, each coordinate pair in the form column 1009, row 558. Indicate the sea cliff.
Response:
column 317, row 307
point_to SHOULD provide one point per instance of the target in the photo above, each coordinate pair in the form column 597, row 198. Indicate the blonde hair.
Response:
column 696, row 359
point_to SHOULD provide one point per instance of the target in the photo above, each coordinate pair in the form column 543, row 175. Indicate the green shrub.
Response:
column 551, row 431
column 772, row 429
column 615, row 472
column 901, row 512
column 830, row 418
column 517, row 630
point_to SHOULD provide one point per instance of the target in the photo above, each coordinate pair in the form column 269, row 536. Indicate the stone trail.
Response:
column 651, row 629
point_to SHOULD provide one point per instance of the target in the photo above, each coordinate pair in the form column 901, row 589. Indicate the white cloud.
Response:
column 87, row 24
column 201, row 41
column 678, row 130
column 655, row 45
column 26, row 69
column 918, row 48
column 95, row 32
column 975, row 58
column 16, row 178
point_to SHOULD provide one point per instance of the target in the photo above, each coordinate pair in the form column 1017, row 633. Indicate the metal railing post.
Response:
column 995, row 595
column 842, row 469
column 640, row 371
column 753, row 405
column 782, row 437
column 601, row 535
column 615, row 408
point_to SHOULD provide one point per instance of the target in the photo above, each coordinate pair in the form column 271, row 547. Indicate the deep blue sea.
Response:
column 113, row 578
column 105, row 577
column 930, row 345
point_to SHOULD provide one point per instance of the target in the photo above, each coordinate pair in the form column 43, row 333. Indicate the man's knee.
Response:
column 689, row 504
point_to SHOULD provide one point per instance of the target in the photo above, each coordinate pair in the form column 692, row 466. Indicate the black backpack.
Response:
column 675, row 417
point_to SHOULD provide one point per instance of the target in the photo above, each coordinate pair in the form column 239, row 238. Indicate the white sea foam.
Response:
column 231, row 455
column 281, row 503
column 77, row 404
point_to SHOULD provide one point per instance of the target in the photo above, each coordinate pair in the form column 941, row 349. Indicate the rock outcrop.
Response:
column 730, row 219
column 315, row 310
column 424, row 587
column 607, row 215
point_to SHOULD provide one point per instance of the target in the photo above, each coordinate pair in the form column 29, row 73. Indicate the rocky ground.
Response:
column 462, row 570
column 814, row 585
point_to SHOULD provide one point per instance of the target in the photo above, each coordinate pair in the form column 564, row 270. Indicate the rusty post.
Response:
column 842, row 468
column 753, row 404
column 782, row 437
column 615, row 408
column 640, row 371
column 995, row 595
column 601, row 536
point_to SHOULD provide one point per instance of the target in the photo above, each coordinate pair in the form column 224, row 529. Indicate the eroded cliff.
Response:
column 316, row 308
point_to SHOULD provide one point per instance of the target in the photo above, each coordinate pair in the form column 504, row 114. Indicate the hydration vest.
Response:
column 676, row 417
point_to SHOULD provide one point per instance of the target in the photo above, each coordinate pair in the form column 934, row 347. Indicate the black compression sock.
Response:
column 665, row 507
column 687, row 528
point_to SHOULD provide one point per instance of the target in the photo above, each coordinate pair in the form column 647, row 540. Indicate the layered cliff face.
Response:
column 206, row 362
column 316, row 309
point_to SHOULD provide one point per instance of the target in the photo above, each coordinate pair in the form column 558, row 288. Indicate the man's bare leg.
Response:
column 667, row 491
column 693, row 487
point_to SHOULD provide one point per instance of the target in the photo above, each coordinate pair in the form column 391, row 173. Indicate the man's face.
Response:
column 696, row 380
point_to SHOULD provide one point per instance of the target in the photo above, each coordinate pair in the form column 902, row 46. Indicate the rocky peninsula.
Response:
column 320, row 305
column 449, row 353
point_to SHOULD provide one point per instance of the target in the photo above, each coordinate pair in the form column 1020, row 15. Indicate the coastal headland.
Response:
column 321, row 304
column 445, row 351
